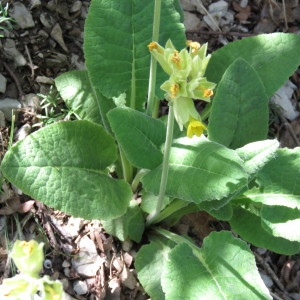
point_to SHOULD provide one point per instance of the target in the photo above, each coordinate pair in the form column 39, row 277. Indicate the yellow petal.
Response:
column 195, row 128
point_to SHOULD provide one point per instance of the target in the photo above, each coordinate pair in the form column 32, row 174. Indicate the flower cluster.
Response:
column 29, row 257
column 186, row 70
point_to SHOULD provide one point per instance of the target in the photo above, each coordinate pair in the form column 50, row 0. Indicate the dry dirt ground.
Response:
column 31, row 56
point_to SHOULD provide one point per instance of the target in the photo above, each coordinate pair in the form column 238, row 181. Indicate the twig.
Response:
column 17, row 82
column 30, row 64
column 211, row 32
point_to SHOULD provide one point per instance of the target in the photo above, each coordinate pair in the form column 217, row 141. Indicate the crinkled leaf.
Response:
column 273, row 56
column 139, row 136
column 240, row 112
column 199, row 170
column 63, row 165
column 115, row 45
column 224, row 268
column 256, row 155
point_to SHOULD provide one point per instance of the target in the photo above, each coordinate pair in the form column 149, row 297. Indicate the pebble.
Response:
column 80, row 287
column 21, row 15
column 23, row 132
column 44, row 80
column 217, row 11
column 47, row 20
column 2, row 119
column 87, row 261
column 76, row 7
column 56, row 34
column 35, row 3
column 191, row 21
column 32, row 100
column 3, row 82
column 282, row 99
column 7, row 105
column 11, row 51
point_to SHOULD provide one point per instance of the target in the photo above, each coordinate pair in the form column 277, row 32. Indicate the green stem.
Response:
column 165, row 166
column 137, row 179
column 174, row 237
column 126, row 167
column 153, row 64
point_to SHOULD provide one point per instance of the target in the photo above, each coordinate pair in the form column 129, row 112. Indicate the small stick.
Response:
column 16, row 80
column 30, row 64
column 211, row 32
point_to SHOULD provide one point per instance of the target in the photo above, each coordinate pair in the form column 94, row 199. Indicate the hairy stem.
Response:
column 151, row 111
column 165, row 166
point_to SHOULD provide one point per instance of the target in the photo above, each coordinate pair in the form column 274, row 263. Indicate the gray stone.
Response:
column 7, row 105
column 47, row 20
column 11, row 51
column 191, row 21
column 3, row 82
column 56, row 34
column 22, row 16
column 2, row 119
column 76, row 7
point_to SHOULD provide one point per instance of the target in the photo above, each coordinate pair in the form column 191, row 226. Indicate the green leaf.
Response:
column 281, row 221
column 115, row 45
column 273, row 56
column 128, row 226
column 149, row 264
column 224, row 268
column 199, row 170
column 240, row 117
column 143, row 150
column 63, row 165
column 248, row 225
column 76, row 90
column 256, row 155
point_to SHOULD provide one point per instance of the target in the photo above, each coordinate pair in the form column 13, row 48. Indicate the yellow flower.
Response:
column 174, row 89
column 208, row 93
column 195, row 127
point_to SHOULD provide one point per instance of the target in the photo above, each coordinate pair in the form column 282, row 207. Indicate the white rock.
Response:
column 282, row 98
column 56, row 34
column 191, row 21
column 21, row 15
column 219, row 7
column 44, row 80
column 11, row 51
column 87, row 262
column 192, row 5
column 3, row 82
column 217, row 11
column 80, row 287
column 23, row 132
column 7, row 105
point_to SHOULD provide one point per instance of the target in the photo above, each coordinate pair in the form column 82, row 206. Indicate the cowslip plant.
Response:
column 29, row 258
column 134, row 171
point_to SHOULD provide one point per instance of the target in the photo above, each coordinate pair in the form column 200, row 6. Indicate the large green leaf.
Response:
column 139, row 136
column 248, row 225
column 240, row 112
column 115, row 45
column 224, row 268
column 199, row 170
column 273, row 56
column 63, row 165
